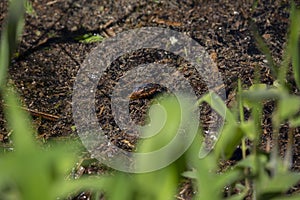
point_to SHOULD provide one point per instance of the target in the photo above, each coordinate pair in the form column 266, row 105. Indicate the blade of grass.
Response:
column 18, row 121
column 293, row 44
column 290, row 197
column 218, row 105
column 64, row 189
column 242, row 120
column 263, row 47
column 10, row 35
column 241, row 110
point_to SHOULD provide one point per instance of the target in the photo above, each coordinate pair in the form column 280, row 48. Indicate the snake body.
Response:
column 147, row 91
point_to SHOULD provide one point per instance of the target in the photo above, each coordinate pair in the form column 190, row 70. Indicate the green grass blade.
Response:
column 290, row 197
column 4, row 58
column 64, row 189
column 229, row 139
column 10, row 35
column 294, row 42
column 18, row 121
column 263, row 47
column 218, row 105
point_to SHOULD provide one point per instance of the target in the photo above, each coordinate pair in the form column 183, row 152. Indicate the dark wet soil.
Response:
column 49, row 55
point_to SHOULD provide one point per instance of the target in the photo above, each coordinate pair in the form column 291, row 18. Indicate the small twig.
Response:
column 288, row 159
column 101, row 110
column 166, row 22
column 217, row 88
column 39, row 114
column 180, row 198
column 51, row 2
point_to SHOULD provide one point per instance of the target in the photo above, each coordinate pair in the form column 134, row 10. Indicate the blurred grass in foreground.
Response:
column 32, row 172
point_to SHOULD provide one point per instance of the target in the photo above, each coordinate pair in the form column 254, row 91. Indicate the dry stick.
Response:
column 39, row 114
column 288, row 158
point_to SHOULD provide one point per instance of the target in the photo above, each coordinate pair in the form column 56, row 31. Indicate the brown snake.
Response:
column 147, row 91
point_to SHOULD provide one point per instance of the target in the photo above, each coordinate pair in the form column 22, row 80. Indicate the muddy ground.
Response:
column 50, row 53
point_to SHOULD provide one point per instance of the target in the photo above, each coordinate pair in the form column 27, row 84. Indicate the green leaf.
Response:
column 218, row 105
column 73, row 128
column 254, row 162
column 228, row 141
column 160, row 184
column 260, row 94
column 35, row 173
column 123, row 183
column 229, row 177
column 288, row 106
column 10, row 35
column 67, row 187
column 29, row 8
column 190, row 174
column 206, row 174
column 90, row 38
column 258, row 86
column 239, row 196
column 4, row 58
column 263, row 47
column 295, row 122
column 248, row 129
column 280, row 183
column 288, row 197
column 18, row 121
column 293, row 42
